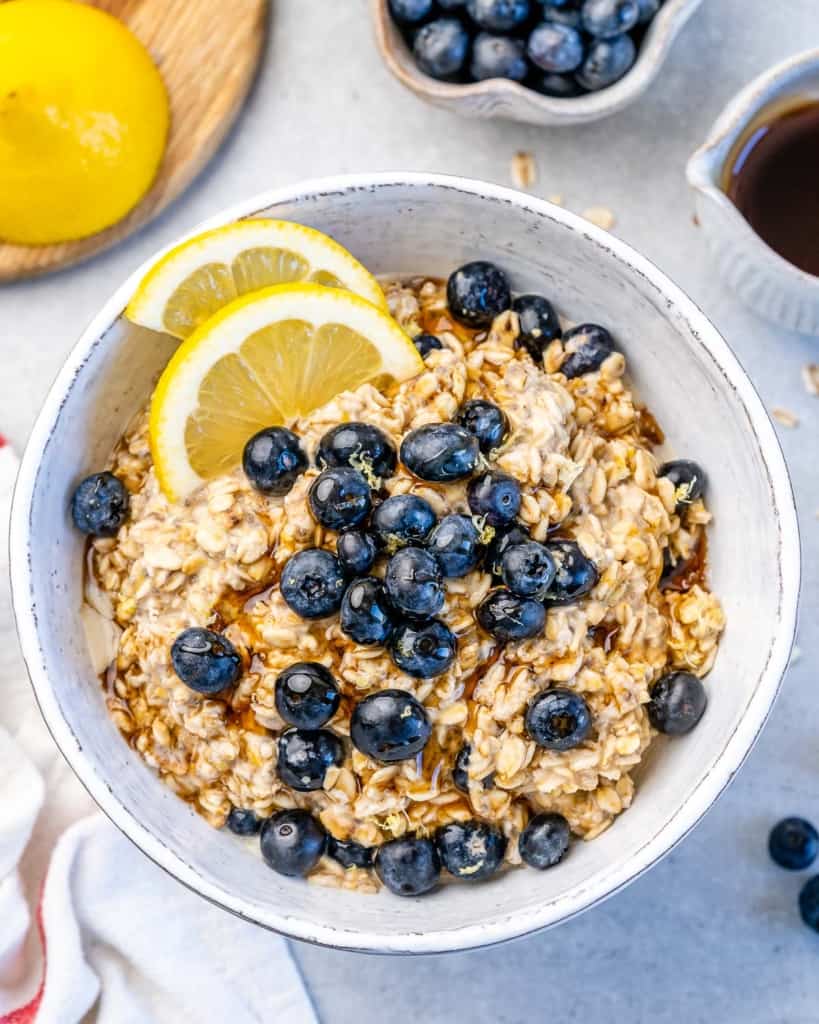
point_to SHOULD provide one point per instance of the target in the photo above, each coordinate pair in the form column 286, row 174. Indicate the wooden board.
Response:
column 207, row 52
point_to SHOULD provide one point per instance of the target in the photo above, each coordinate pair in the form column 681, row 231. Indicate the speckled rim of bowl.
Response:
column 565, row 906
column 500, row 97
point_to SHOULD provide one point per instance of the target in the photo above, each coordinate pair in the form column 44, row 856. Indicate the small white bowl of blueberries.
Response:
column 541, row 61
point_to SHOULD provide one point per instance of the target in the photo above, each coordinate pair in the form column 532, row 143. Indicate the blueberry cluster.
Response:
column 561, row 48
column 419, row 553
column 793, row 844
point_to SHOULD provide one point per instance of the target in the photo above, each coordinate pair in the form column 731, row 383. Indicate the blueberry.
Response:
column 689, row 481
column 413, row 583
column 410, row 12
column 305, row 755
column 99, row 505
column 205, row 661
column 425, row 650
column 408, row 866
column 306, row 695
column 587, row 346
column 402, row 519
column 495, row 497
column 460, row 771
column 486, row 421
column 273, row 460
column 476, row 293
column 505, row 616
column 609, row 18
column 350, row 854
column 528, row 569
column 607, row 60
column 360, row 446
column 441, row 48
column 504, row 537
column 440, row 452
column 544, row 841
column 243, row 822
column 426, row 343
column 456, row 544
column 576, row 575
column 498, row 15
column 809, row 903
column 559, row 87
column 312, row 583
column 558, row 719
column 497, row 57
column 648, row 9
column 389, row 726
column 365, row 614
column 340, row 498
column 793, row 844
column 539, row 324
column 292, row 842
column 555, row 47
column 356, row 552
column 470, row 850
column 677, row 703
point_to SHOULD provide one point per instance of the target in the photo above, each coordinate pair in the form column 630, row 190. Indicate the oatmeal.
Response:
column 523, row 619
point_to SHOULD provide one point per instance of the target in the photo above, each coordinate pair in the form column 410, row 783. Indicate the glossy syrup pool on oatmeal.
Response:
column 428, row 627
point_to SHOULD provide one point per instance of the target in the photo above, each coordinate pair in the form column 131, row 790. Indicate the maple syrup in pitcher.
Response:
column 772, row 177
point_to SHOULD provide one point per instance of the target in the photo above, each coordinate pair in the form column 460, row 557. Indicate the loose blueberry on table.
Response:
column 562, row 50
column 793, row 844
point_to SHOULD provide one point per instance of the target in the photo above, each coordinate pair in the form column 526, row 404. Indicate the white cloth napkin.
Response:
column 90, row 929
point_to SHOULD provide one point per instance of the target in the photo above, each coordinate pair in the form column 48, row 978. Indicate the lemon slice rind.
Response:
column 177, row 395
column 222, row 247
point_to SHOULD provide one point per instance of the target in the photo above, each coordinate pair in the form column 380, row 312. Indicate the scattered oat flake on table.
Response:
column 810, row 375
column 555, row 198
column 601, row 216
column 524, row 170
column 785, row 417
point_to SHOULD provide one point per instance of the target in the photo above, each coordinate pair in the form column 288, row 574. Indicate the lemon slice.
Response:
column 266, row 359
column 197, row 278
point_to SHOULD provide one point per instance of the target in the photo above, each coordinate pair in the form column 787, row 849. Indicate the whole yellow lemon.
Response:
column 83, row 121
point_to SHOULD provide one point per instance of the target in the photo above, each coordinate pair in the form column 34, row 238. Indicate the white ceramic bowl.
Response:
column 498, row 97
column 775, row 289
column 414, row 223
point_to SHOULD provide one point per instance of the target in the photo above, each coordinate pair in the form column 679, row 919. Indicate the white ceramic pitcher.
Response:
column 768, row 283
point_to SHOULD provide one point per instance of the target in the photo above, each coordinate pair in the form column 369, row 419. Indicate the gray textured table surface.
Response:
column 711, row 934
